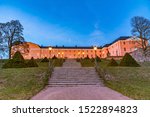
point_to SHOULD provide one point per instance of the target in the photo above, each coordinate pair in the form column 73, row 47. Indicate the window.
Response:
column 124, row 43
column 124, row 49
column 116, row 53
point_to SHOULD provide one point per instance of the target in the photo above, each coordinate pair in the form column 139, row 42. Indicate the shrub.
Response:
column 32, row 63
column 98, row 59
column 78, row 60
column 54, row 57
column 87, row 57
column 45, row 60
column 8, row 64
column 17, row 61
column 87, row 63
column 112, row 63
column 128, row 60
column 92, row 59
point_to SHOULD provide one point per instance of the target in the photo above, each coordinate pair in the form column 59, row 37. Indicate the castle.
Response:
column 116, row 49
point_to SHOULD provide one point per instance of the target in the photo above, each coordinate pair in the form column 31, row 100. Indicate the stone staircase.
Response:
column 73, row 75
column 71, row 63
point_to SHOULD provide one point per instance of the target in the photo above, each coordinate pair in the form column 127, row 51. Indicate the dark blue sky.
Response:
column 74, row 22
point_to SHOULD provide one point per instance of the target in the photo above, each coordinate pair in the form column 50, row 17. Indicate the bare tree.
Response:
column 2, row 52
column 11, row 32
column 141, row 29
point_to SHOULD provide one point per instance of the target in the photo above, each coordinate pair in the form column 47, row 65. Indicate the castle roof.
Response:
column 70, row 47
column 118, row 39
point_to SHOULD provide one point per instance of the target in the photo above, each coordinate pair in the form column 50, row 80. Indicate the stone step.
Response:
column 95, row 80
column 73, row 85
column 58, row 77
column 51, row 82
column 88, row 68
column 69, row 80
column 73, row 75
column 74, row 80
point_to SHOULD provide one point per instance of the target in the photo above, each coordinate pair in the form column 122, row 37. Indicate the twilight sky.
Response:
column 74, row 22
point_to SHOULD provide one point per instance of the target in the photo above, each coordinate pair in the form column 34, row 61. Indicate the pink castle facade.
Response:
column 116, row 49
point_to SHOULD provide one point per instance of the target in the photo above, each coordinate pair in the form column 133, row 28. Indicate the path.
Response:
column 73, row 82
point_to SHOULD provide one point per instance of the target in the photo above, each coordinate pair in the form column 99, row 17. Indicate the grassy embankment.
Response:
column 23, row 83
column 133, row 82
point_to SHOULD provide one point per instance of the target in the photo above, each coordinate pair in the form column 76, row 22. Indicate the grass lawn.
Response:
column 133, row 82
column 23, row 83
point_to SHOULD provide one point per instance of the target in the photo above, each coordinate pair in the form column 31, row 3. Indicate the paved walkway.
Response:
column 73, row 82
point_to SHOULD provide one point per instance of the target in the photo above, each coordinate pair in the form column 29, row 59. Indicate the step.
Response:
column 92, row 80
column 73, row 75
column 73, row 85
column 85, row 78
column 72, row 82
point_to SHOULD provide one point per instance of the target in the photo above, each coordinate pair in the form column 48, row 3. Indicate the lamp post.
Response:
column 83, row 54
column 95, row 49
column 62, row 54
column 50, row 49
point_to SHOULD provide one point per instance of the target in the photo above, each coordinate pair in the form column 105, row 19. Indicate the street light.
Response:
column 78, row 54
column 62, row 54
column 95, row 49
column 50, row 49
column 83, row 54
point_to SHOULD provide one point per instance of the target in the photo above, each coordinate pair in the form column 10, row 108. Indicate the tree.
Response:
column 129, row 61
column 32, row 63
column 45, row 60
column 113, row 62
column 141, row 29
column 17, row 61
column 11, row 32
column 1, row 42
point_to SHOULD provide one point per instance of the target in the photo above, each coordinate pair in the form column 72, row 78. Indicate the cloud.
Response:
column 39, row 31
column 97, row 36
column 44, row 33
